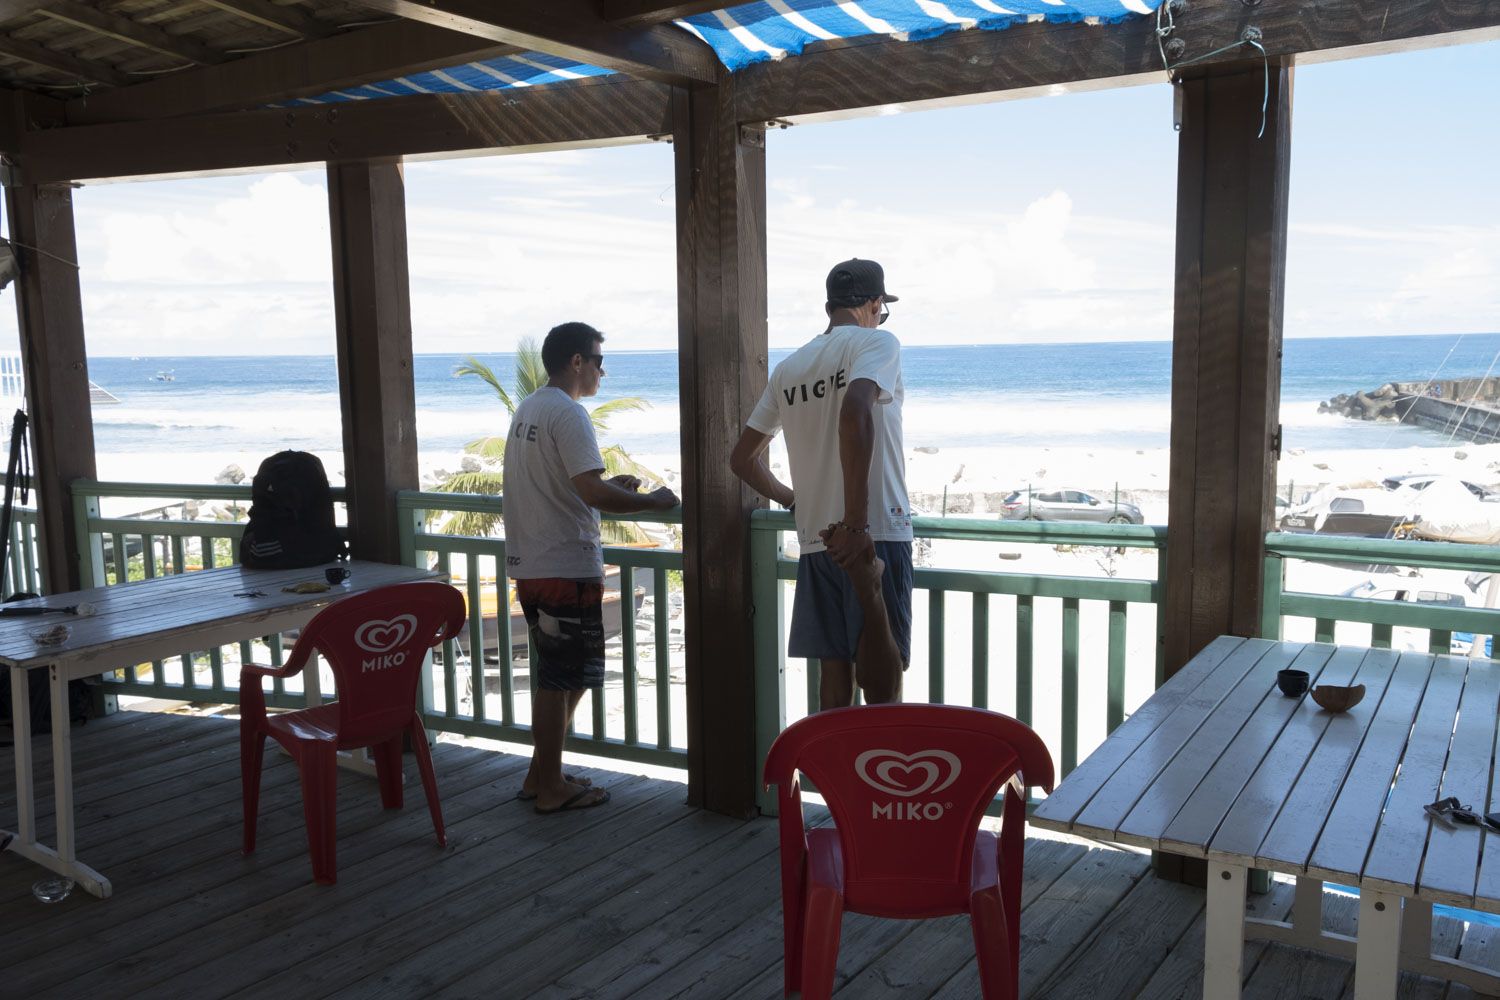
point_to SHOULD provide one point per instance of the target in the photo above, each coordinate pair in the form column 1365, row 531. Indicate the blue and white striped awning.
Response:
column 755, row 32
column 533, row 69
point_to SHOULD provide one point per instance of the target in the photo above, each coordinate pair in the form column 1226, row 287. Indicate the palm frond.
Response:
column 484, row 482
column 475, row 523
column 473, row 366
column 531, row 374
column 601, row 414
column 491, row 449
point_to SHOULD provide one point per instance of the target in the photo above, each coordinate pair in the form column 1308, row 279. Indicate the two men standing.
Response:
column 838, row 399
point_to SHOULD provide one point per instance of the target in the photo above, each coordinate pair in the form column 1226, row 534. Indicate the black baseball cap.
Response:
column 857, row 280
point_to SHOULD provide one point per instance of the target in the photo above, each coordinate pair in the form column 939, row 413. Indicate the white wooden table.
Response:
column 1218, row 764
column 134, row 623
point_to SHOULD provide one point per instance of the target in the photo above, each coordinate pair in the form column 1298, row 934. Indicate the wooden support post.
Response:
column 372, row 306
column 49, row 308
column 1226, row 359
column 721, row 290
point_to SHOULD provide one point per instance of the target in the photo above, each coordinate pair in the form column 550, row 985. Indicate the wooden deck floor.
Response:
column 641, row 898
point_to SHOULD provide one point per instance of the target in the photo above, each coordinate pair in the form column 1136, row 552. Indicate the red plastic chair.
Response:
column 375, row 643
column 907, row 786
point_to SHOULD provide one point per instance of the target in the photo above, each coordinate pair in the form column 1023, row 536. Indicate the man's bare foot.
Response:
column 569, row 795
column 528, row 787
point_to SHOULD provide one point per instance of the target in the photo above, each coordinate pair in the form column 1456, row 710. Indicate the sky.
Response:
column 1048, row 219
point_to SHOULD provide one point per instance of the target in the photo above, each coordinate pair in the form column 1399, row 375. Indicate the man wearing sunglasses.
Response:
column 554, row 491
column 838, row 398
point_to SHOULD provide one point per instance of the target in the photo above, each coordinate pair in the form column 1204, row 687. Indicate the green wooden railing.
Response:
column 931, row 656
column 1327, row 613
column 628, row 723
column 23, row 570
column 154, row 543
column 138, row 546
column 477, row 694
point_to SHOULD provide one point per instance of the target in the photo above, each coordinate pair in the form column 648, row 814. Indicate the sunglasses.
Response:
column 597, row 359
column 885, row 313
column 1450, row 811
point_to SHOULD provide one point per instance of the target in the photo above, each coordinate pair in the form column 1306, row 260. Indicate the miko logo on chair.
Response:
column 925, row 772
column 380, row 636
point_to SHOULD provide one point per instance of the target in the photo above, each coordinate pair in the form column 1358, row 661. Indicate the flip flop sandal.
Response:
column 577, row 779
column 576, row 802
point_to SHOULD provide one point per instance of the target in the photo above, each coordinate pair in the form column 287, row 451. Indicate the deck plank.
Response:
column 939, row 949
column 1063, row 917
column 1180, row 975
column 1286, row 973
column 644, row 898
column 283, row 923
column 1132, row 942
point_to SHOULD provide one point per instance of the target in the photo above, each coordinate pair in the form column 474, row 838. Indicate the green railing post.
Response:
column 770, row 655
column 90, row 545
column 1270, row 596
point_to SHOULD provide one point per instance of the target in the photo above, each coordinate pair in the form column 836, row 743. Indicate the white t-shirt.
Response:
column 549, row 530
column 803, row 398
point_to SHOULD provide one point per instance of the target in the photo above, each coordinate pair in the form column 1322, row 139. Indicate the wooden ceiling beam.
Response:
column 837, row 79
column 288, row 20
column 132, row 32
column 85, row 71
column 570, row 29
column 348, row 59
column 12, row 10
column 595, row 111
column 640, row 13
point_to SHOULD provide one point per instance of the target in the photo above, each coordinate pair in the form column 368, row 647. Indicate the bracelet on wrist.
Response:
column 851, row 528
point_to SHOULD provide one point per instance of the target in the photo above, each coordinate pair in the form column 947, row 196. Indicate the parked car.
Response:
column 1470, row 595
column 1067, row 505
column 1421, row 480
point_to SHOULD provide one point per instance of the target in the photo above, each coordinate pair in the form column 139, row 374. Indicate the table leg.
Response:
column 62, row 763
column 1307, row 912
column 1416, row 931
column 24, row 841
column 1377, row 956
column 20, row 721
column 1224, row 938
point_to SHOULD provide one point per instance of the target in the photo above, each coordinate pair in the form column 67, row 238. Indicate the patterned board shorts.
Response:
column 566, row 622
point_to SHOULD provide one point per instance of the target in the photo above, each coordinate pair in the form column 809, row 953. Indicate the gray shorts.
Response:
column 826, row 617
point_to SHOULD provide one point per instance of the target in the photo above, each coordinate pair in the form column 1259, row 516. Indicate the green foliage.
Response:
column 488, row 479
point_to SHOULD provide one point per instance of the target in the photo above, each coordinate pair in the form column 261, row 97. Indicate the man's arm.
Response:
column 748, row 461
column 611, row 497
column 856, row 451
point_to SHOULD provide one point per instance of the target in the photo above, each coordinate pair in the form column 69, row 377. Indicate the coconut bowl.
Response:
column 1338, row 698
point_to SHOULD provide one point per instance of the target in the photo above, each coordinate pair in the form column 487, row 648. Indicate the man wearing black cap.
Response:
column 838, row 398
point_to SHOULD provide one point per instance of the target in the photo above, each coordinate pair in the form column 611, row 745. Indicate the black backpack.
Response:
column 291, row 515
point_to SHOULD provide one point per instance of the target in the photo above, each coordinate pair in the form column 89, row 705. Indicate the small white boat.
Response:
column 166, row 376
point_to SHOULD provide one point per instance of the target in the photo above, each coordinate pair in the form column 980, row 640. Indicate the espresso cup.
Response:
column 338, row 574
column 1292, row 682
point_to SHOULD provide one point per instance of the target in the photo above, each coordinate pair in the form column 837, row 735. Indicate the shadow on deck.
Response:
column 644, row 897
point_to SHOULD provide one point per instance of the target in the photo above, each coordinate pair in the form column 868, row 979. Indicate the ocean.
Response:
column 1108, row 396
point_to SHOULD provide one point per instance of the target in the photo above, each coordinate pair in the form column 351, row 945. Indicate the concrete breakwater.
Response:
column 1465, row 409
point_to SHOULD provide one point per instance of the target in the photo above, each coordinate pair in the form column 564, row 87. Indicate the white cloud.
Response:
column 1357, row 281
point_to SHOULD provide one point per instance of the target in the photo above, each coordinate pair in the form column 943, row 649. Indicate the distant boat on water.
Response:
column 165, row 376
